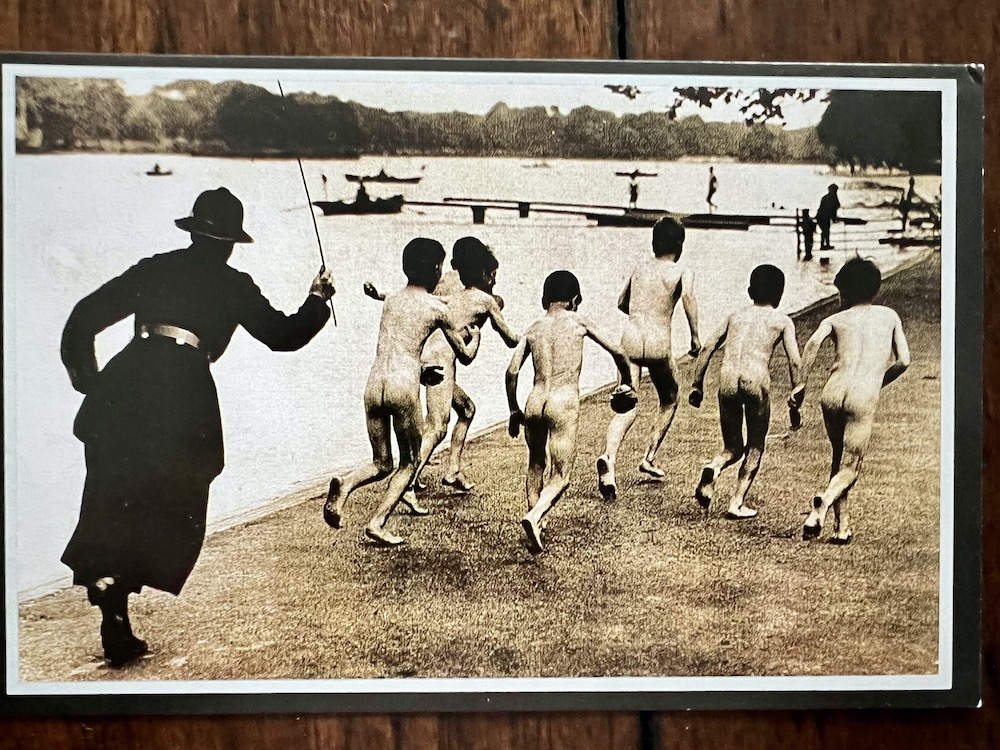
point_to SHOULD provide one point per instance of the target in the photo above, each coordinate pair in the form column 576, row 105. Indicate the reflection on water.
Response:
column 78, row 220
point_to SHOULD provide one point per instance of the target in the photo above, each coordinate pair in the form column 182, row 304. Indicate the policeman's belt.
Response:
column 179, row 335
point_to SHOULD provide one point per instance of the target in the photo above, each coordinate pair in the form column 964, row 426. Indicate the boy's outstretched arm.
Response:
column 690, row 310
column 717, row 339
column 513, row 370
column 371, row 291
column 901, row 349
column 791, row 345
column 605, row 343
column 465, row 352
column 811, row 351
column 500, row 324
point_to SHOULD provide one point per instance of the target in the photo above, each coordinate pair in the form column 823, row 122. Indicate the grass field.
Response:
column 647, row 585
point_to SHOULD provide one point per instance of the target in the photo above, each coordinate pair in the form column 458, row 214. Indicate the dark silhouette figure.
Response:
column 826, row 214
column 908, row 202
column 150, row 422
column 713, row 185
column 808, row 233
column 633, row 193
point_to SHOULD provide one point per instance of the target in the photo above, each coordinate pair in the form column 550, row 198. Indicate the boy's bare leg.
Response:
column 834, row 419
column 662, row 376
column 731, row 422
column 536, row 435
column 380, row 467
column 618, row 428
column 562, row 452
column 854, row 436
column 466, row 410
column 406, row 423
column 435, row 427
column 758, row 416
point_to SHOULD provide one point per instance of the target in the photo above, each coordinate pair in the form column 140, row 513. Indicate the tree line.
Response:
column 241, row 119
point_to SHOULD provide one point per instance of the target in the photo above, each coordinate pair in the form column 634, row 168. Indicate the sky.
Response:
column 477, row 93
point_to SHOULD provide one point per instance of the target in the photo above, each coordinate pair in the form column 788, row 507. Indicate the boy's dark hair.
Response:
column 561, row 286
column 858, row 281
column 767, row 284
column 422, row 259
column 668, row 237
column 473, row 260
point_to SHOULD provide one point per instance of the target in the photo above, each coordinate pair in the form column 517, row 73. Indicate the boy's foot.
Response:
column 703, row 493
column 842, row 539
column 740, row 513
column 331, row 508
column 127, row 651
column 534, row 535
column 648, row 467
column 382, row 537
column 409, row 499
column 457, row 482
column 606, row 479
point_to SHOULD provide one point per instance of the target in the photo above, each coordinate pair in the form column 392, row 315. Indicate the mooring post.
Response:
column 479, row 214
column 798, row 236
column 522, row 209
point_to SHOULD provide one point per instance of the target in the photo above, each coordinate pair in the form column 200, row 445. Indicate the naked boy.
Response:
column 550, row 416
column 392, row 393
column 870, row 352
column 749, row 336
column 649, row 300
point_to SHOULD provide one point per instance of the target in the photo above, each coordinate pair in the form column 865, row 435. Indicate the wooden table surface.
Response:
column 917, row 31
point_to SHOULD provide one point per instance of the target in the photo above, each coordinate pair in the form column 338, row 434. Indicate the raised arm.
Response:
column 517, row 361
column 690, row 310
column 811, row 350
column 717, row 339
column 791, row 345
column 280, row 332
column 500, row 324
column 605, row 343
column 901, row 350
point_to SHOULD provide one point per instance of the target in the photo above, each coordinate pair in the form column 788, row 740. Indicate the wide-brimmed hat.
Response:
column 217, row 214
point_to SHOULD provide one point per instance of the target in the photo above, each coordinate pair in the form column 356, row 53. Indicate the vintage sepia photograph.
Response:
column 399, row 378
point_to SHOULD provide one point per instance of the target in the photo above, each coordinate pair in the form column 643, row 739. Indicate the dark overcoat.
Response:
column 150, row 420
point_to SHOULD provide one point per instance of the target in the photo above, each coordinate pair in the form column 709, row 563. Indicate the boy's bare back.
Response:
column 654, row 289
column 409, row 317
column 867, row 338
column 466, row 308
column 556, row 344
column 751, row 335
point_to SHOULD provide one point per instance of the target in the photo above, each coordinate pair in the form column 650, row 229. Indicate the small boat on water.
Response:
column 383, row 177
column 636, row 173
column 392, row 205
column 157, row 172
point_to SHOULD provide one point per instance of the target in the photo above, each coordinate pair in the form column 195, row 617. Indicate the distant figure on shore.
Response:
column 826, row 214
column 910, row 201
column 633, row 193
column 808, row 227
column 555, row 344
column 870, row 352
column 392, row 394
column 749, row 336
column 150, row 421
column 713, row 185
column 649, row 299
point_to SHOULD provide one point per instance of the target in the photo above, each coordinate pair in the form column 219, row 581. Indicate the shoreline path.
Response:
column 644, row 586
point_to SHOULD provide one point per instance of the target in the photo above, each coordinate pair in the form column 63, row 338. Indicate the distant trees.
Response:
column 884, row 128
column 67, row 110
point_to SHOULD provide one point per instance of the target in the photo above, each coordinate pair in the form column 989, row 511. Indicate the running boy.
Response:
column 649, row 300
column 870, row 352
column 749, row 335
column 392, row 393
column 555, row 344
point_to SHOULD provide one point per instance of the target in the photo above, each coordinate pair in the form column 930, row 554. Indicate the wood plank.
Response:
column 485, row 28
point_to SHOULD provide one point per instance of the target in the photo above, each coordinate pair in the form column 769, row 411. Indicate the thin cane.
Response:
column 309, row 204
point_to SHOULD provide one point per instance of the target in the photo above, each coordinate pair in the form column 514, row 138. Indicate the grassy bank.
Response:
column 645, row 586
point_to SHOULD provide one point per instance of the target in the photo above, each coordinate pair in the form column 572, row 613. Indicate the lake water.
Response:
column 74, row 221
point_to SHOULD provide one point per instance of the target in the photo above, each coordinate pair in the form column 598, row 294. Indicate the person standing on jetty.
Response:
column 150, row 421
column 826, row 214
column 649, row 300
column 713, row 186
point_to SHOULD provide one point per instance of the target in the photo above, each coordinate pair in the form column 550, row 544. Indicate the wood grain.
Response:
column 833, row 30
